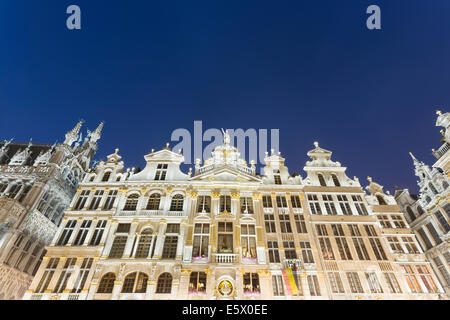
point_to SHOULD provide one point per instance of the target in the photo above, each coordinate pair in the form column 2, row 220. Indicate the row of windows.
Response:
column 327, row 202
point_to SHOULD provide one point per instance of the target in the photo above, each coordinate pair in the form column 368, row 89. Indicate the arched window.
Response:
column 106, row 176
column 197, row 283
column 321, row 180
column 164, row 284
column 145, row 244
column 135, row 282
column 177, row 203
column 131, row 203
column 420, row 210
column 381, row 200
column 411, row 214
column 107, row 283
column 153, row 201
column 433, row 189
column 335, row 180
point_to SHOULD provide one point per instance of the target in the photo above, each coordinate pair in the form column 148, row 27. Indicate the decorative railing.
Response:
column 441, row 151
column 283, row 210
column 292, row 263
column 225, row 258
column 151, row 213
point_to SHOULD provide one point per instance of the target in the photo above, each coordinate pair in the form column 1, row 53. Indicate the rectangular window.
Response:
column 98, row 233
column 427, row 280
column 82, row 275
column 313, row 283
column 225, row 237
column 289, row 250
column 344, row 205
column 64, row 276
column 201, row 240
column 442, row 221
column 277, row 178
column 144, row 245
column 161, row 171
column 246, row 205
column 314, row 204
column 441, row 267
column 341, row 242
column 391, row 280
column 82, row 200
column 82, row 233
column 307, row 254
column 335, row 282
column 433, row 233
column 411, row 279
column 67, row 232
column 170, row 247
column 118, row 246
column 110, row 200
column 274, row 254
column 270, row 223
column 285, row 223
column 267, row 202
column 360, row 207
column 374, row 284
column 395, row 245
column 425, row 239
column 225, row 203
column 95, row 202
column 47, row 276
column 248, row 241
column 375, row 243
column 398, row 221
column 295, row 201
column 354, row 282
column 410, row 244
column 329, row 204
column 278, row 286
column 281, row 202
column 384, row 221
column 300, row 223
column 358, row 242
column 204, row 204
column 324, row 241
column 251, row 283
column 173, row 228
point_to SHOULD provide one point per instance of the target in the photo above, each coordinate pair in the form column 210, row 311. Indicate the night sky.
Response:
column 310, row 68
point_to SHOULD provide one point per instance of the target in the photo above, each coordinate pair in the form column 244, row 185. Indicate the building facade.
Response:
column 224, row 232
column 428, row 213
column 37, row 184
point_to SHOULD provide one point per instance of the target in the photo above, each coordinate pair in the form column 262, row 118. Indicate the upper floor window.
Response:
column 161, row 171
column 131, row 203
column 204, row 204
column 381, row 200
column 267, row 201
column 359, row 204
column 321, row 180
column 335, row 180
column 14, row 190
column 281, row 202
column 248, row 241
column 246, row 205
column 410, row 213
column 197, row 282
column 82, row 200
column 225, row 237
column 106, row 176
column 314, row 204
column 154, row 201
column 135, row 282
column 201, row 240
column 295, row 200
column 225, row 203
column 177, row 203
column 96, row 200
column 277, row 178
column 251, row 284
column 112, row 194
column 106, row 284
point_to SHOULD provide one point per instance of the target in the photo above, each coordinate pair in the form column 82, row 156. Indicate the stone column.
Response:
column 160, row 240
column 110, row 238
column 235, row 203
column 90, row 232
column 130, row 240
column 180, row 242
column 116, row 290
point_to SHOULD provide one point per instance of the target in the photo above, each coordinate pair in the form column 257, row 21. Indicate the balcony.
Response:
column 225, row 258
column 151, row 213
column 441, row 151
column 295, row 264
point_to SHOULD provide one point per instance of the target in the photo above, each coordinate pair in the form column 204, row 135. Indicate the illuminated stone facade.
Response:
column 224, row 232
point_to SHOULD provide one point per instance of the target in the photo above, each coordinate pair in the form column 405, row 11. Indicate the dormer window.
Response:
column 321, row 180
column 335, row 180
column 106, row 176
column 381, row 201
column 277, row 178
column 161, row 171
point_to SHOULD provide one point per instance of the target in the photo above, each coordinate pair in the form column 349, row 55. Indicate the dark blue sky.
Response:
column 309, row 68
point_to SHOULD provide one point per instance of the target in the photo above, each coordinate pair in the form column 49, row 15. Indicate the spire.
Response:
column 97, row 132
column 72, row 135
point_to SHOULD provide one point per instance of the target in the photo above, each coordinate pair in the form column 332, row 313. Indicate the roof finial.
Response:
column 97, row 132
column 369, row 179
column 116, row 151
column 438, row 112
column 316, row 144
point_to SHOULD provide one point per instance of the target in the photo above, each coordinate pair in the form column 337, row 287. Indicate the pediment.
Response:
column 226, row 173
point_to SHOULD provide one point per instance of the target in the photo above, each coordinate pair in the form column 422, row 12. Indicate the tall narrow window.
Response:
column 335, row 180
column 135, row 282
column 82, row 275
column 110, row 200
column 48, row 274
column 307, row 254
column 171, row 241
column 285, row 223
column 204, row 204
column 225, row 237
column 358, row 242
column 277, row 284
column 313, row 284
column 321, row 180
column 274, row 254
column 82, row 233
column 391, row 280
column 106, row 284
column 164, row 284
column 354, row 282
column 161, row 171
column 43, row 203
column 14, row 190
column 329, row 204
column 374, row 284
column 425, row 239
column 64, row 276
column 411, row 279
column 289, row 250
column 95, row 202
column 153, row 202
column 225, row 204
column 131, row 203
column 246, row 205
column 177, row 203
column 118, row 247
column 375, row 243
column 98, row 233
column 11, row 255
column 67, row 232
column 360, row 207
column 341, row 242
column 197, row 283
column 427, row 280
column 248, row 241
column 81, row 202
column 281, row 202
column 267, row 201
column 300, row 223
column 106, row 176
column 344, row 205
column 277, row 178
column 335, row 282
column 24, row 193
column 314, row 204
column 442, row 221
column 251, row 284
column 145, row 243
column 324, row 241
column 441, row 267
column 295, row 201
column 433, row 233
column 201, row 241
column 270, row 223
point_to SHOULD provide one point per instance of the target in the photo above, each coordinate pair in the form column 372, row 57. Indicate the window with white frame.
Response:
column 82, row 233
column 64, row 276
column 47, row 276
column 344, row 205
column 358, row 242
column 354, row 282
column 341, row 241
column 248, row 241
column 335, row 282
column 82, row 275
column 274, row 252
column 98, row 233
column 153, row 201
column 278, row 285
column 112, row 194
column 313, row 284
column 307, row 254
column 95, row 202
column 314, row 204
column 67, row 232
column 201, row 240
column 374, row 284
column 246, row 205
column 360, row 206
column 161, row 171
column 329, row 204
column 204, row 204
column 324, row 241
column 81, row 202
